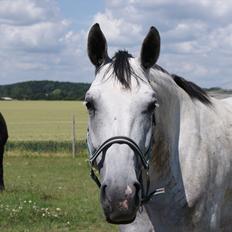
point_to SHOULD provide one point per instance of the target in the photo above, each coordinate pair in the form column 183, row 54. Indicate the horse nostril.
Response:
column 137, row 193
column 137, row 188
column 103, row 190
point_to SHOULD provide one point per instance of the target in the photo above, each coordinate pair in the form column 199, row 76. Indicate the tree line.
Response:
column 44, row 90
column 55, row 90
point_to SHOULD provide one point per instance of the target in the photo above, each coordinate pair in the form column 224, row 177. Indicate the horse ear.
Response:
column 97, row 46
column 150, row 48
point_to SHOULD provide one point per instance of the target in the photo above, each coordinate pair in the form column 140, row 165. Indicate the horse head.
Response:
column 121, row 106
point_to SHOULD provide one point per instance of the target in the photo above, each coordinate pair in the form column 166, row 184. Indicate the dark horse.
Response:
column 3, row 140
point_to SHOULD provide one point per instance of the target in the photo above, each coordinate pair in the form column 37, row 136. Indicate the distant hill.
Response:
column 54, row 90
column 219, row 92
column 44, row 90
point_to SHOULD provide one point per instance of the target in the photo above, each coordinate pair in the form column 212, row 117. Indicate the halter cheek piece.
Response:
column 144, row 157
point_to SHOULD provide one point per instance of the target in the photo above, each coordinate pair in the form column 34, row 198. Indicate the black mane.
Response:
column 193, row 90
column 122, row 68
column 123, row 72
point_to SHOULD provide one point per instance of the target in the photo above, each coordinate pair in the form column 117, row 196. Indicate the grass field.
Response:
column 44, row 120
column 50, row 194
column 46, row 189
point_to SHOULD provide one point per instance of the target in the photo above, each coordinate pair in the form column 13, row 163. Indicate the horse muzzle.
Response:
column 119, row 204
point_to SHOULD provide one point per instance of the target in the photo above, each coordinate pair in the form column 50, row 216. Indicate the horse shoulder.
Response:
column 205, row 156
column 224, row 161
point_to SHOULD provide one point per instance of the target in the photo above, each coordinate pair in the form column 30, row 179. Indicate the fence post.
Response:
column 73, row 136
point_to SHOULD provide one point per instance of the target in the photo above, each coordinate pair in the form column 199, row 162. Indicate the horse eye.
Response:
column 152, row 106
column 89, row 105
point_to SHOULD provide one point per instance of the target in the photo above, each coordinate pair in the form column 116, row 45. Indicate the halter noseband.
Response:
column 144, row 157
column 120, row 140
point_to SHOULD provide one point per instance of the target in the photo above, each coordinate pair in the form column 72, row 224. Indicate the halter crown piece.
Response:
column 144, row 157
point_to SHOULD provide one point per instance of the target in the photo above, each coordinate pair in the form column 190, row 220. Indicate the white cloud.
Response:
column 116, row 29
column 37, row 42
column 196, row 36
column 43, row 36
column 24, row 12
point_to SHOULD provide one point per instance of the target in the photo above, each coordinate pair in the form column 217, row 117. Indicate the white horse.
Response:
column 140, row 114
column 228, row 100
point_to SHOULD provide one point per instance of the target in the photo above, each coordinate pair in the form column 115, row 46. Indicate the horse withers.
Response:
column 150, row 130
column 3, row 140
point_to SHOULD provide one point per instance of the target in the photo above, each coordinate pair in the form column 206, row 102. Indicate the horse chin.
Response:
column 117, row 215
column 120, row 222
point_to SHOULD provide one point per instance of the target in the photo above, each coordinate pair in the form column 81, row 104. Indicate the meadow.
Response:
column 47, row 189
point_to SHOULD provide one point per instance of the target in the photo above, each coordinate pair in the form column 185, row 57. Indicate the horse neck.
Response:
column 176, row 116
column 167, row 125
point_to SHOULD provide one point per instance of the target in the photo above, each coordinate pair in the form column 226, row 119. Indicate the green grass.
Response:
column 46, row 189
column 44, row 120
column 50, row 194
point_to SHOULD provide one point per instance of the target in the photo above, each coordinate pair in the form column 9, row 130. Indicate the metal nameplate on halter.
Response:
column 159, row 191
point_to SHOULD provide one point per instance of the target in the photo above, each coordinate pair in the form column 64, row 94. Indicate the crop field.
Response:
column 46, row 189
column 44, row 120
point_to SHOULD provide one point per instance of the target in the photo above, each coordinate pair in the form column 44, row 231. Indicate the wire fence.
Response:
column 55, row 138
column 45, row 147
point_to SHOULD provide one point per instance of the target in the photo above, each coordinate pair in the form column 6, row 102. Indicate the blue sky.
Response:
column 46, row 39
column 80, row 12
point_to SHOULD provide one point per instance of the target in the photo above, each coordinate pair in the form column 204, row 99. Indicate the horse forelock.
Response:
column 120, row 68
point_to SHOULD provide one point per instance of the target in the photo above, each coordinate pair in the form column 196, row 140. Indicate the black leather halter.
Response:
column 121, row 140
column 144, row 157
